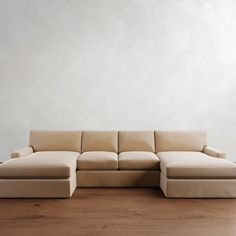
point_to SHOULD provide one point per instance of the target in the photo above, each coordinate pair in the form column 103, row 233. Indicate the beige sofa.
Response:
column 56, row 162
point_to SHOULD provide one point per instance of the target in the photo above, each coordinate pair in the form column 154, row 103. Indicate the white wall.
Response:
column 117, row 64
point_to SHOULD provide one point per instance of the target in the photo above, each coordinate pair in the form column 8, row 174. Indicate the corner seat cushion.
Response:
column 41, row 165
column 98, row 160
column 138, row 160
column 195, row 165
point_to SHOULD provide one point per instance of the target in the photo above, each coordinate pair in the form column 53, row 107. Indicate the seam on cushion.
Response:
column 118, row 142
column 118, row 161
column 82, row 137
column 154, row 141
column 81, row 141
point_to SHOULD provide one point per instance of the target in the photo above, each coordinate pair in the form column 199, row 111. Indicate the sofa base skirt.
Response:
column 37, row 188
column 198, row 188
column 118, row 178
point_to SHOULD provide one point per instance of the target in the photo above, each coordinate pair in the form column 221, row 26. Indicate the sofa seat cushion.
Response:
column 98, row 160
column 195, row 165
column 138, row 160
column 41, row 165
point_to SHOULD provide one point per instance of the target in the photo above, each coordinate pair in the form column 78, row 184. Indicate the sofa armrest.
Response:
column 22, row 152
column 214, row 152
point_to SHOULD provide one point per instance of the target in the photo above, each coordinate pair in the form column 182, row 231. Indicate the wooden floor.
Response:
column 120, row 211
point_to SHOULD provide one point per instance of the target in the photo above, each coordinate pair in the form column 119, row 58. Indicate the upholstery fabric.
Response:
column 100, row 141
column 198, row 188
column 55, row 140
column 98, row 161
column 122, row 178
column 41, row 165
column 38, row 188
column 184, row 166
column 138, row 160
column 22, row 152
column 180, row 140
column 136, row 141
column 214, row 152
column 195, row 165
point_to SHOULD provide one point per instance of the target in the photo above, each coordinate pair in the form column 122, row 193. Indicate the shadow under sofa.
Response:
column 56, row 162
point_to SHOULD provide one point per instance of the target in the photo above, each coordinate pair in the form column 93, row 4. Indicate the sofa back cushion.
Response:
column 100, row 141
column 55, row 140
column 180, row 140
column 136, row 141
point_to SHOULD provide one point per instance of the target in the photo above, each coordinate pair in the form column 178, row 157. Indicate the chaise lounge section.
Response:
column 45, row 169
column 56, row 162
column 191, row 169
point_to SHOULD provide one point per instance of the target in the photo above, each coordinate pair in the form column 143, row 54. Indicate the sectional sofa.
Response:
column 56, row 162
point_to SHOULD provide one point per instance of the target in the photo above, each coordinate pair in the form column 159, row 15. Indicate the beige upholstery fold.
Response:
column 41, row 165
column 214, row 152
column 55, row 140
column 22, row 152
column 136, row 141
column 98, row 161
column 138, row 160
column 195, row 165
column 180, row 140
column 100, row 141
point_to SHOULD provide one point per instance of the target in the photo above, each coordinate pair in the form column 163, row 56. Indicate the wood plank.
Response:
column 118, row 211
